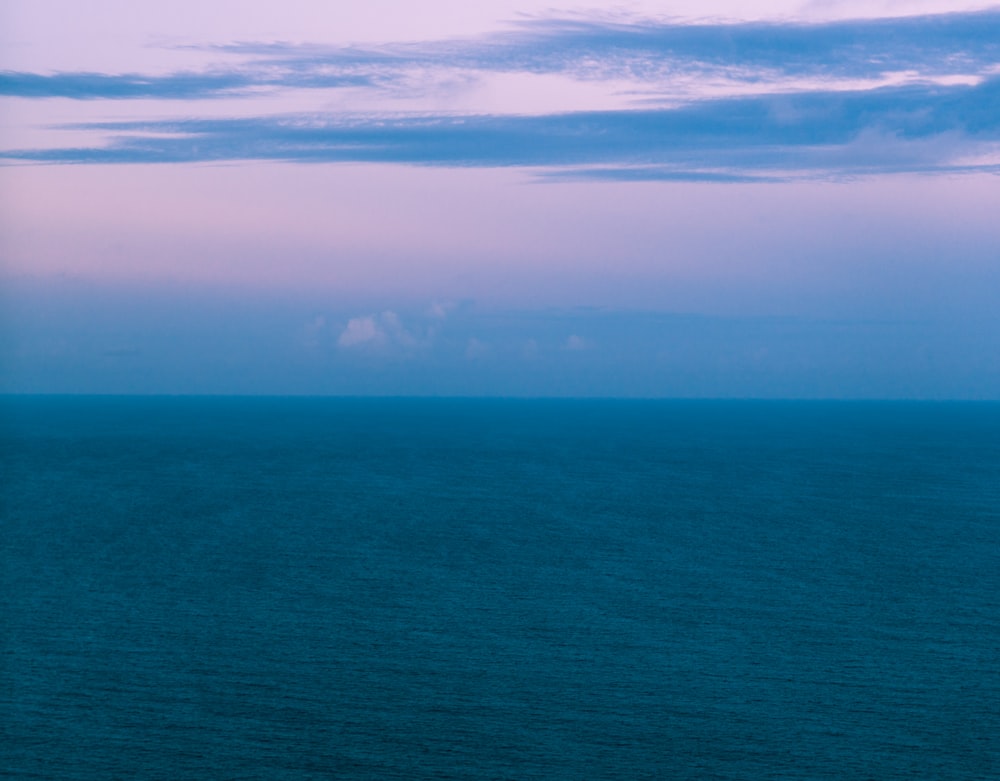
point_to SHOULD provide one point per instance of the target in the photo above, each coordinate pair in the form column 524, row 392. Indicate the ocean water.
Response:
column 462, row 589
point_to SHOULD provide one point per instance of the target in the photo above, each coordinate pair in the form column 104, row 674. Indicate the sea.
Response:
column 331, row 588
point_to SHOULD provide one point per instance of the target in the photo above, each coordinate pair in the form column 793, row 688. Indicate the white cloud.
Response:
column 381, row 330
column 440, row 310
column 361, row 331
column 393, row 327
column 577, row 343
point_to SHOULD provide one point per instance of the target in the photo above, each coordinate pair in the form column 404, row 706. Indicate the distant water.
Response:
column 407, row 589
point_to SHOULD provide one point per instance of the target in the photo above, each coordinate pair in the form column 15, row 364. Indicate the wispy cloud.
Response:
column 174, row 86
column 643, row 50
column 946, row 43
column 911, row 128
column 802, row 100
column 651, row 50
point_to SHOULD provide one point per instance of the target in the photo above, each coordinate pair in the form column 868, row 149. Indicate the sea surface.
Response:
column 237, row 588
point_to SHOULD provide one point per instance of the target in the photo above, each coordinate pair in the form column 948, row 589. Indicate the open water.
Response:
column 234, row 588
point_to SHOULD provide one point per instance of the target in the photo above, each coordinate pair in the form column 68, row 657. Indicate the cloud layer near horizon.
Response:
column 132, row 341
column 714, row 102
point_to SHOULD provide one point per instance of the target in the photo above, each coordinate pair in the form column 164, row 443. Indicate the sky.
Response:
column 715, row 199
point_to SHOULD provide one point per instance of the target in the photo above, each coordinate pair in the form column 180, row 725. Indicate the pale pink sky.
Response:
column 366, row 236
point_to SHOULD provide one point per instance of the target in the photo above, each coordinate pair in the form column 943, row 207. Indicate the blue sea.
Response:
column 265, row 588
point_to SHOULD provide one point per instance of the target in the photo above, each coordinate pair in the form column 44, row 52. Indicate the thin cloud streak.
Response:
column 175, row 86
column 916, row 128
column 942, row 112
column 956, row 43
column 647, row 51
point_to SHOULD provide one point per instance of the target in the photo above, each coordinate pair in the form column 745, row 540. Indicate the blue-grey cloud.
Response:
column 754, row 52
column 911, row 128
column 771, row 134
column 175, row 86
column 943, row 44
column 89, row 86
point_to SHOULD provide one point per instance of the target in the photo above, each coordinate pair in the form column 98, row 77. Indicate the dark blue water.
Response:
column 355, row 589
